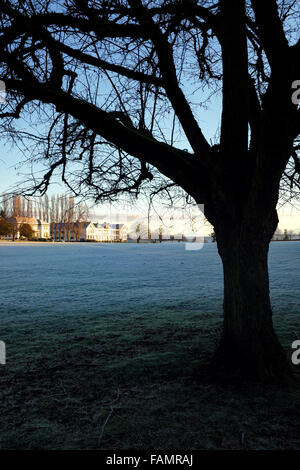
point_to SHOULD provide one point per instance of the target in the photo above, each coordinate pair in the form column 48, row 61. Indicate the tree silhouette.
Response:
column 26, row 231
column 102, row 80
column 5, row 227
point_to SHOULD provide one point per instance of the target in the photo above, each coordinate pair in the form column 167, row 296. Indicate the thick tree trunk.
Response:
column 248, row 347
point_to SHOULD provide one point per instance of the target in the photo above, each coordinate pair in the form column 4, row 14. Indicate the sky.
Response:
column 12, row 174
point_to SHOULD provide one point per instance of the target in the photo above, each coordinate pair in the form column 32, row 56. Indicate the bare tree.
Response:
column 23, row 207
column 69, row 215
column 29, row 207
column 5, row 204
column 52, row 209
column 46, row 208
column 17, row 205
column 113, row 77
column 81, row 215
column 160, row 233
column 40, row 209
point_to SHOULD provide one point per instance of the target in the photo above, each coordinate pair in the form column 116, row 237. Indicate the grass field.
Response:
column 135, row 382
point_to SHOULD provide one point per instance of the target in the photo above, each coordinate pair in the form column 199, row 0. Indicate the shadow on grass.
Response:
column 145, row 376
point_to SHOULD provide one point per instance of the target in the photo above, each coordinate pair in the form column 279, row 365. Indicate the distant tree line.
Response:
column 59, row 209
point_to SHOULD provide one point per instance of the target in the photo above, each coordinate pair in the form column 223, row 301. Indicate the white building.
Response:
column 89, row 231
column 41, row 229
column 119, row 232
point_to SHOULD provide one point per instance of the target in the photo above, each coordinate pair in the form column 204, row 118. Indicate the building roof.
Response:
column 86, row 224
column 70, row 224
column 26, row 220
column 117, row 226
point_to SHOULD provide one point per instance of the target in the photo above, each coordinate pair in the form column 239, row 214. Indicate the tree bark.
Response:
column 249, row 347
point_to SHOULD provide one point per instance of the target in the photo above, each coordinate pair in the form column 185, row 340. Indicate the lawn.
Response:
column 136, row 382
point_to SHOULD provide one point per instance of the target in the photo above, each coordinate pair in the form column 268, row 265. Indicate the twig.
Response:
column 107, row 418
column 116, row 399
column 103, row 427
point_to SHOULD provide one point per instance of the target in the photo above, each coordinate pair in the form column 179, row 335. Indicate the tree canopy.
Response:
column 26, row 230
column 111, row 86
column 5, row 227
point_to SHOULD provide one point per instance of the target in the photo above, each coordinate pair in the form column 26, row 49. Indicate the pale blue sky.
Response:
column 12, row 173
